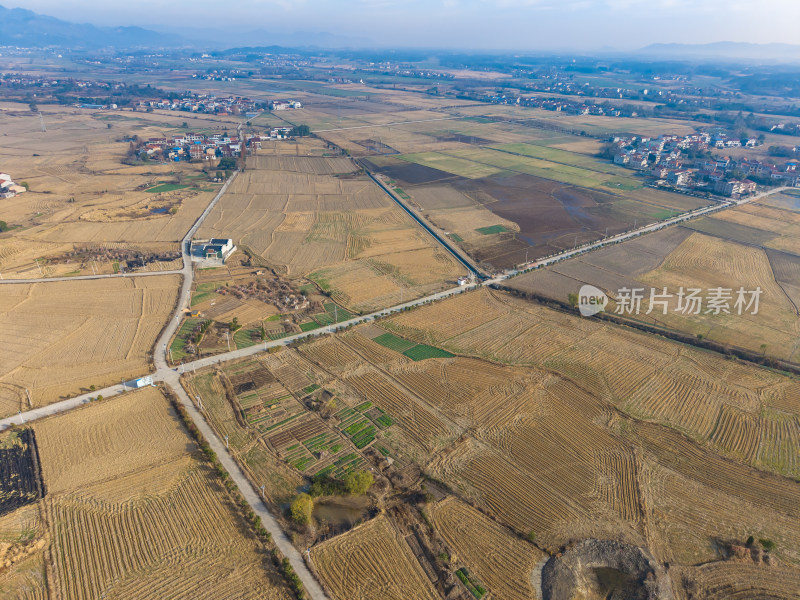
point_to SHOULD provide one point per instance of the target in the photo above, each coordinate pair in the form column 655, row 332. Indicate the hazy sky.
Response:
column 503, row 24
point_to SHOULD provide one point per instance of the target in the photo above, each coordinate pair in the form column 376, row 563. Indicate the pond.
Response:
column 341, row 511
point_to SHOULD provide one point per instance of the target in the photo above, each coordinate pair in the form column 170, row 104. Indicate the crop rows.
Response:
column 99, row 545
column 501, row 560
column 374, row 560
column 417, row 421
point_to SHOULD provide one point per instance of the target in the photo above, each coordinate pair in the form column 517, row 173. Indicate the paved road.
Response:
column 160, row 352
column 252, row 497
column 84, row 277
column 169, row 375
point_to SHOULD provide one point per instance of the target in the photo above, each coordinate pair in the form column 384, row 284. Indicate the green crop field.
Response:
column 423, row 351
column 451, row 164
column 391, row 341
column 244, row 338
column 166, row 187
column 178, row 346
column 491, row 229
column 564, row 157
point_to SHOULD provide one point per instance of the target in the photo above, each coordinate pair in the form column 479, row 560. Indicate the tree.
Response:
column 234, row 325
column 227, row 163
column 301, row 509
column 25, row 185
column 358, row 482
column 300, row 131
column 3, row 226
column 573, row 299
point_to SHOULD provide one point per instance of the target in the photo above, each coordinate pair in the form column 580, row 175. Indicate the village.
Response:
column 199, row 146
column 668, row 159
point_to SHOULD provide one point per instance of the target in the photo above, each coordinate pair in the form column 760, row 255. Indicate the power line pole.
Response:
column 41, row 120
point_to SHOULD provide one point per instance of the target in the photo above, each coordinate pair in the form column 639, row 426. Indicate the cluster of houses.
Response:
column 667, row 160
column 204, row 103
column 9, row 189
column 198, row 146
column 570, row 107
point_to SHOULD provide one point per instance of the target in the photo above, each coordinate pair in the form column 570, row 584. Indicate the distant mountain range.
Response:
column 21, row 27
column 726, row 51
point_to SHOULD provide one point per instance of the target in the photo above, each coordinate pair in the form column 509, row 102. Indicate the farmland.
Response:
column 283, row 410
column 549, row 442
column 449, row 449
column 500, row 560
column 60, row 338
column 504, row 216
column 371, row 562
column 744, row 419
column 751, row 246
column 81, row 192
column 342, row 233
column 132, row 510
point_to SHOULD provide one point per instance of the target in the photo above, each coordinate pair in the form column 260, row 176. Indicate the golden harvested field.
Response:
column 344, row 234
column 79, row 189
column 502, row 562
column 707, row 262
column 371, row 562
column 132, row 512
column 680, row 257
column 58, row 338
column 552, row 447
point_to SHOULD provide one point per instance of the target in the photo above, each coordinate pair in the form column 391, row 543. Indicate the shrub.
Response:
column 358, row 482
column 301, row 509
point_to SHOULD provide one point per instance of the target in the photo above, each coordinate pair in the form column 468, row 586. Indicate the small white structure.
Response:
column 141, row 382
column 463, row 280
column 216, row 250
